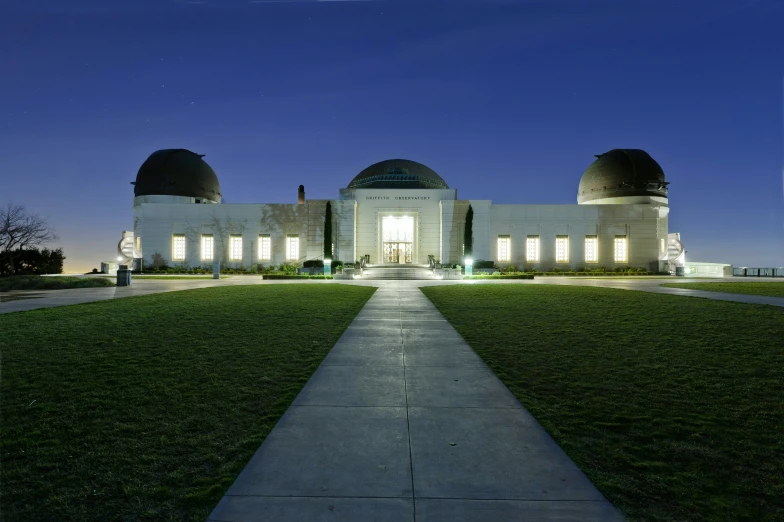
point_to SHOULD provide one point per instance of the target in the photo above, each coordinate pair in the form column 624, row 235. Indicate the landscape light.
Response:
column 469, row 266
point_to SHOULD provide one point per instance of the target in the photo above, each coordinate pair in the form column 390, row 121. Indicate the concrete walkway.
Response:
column 403, row 422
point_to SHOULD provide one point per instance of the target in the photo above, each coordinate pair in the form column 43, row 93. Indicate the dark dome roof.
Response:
column 398, row 173
column 177, row 172
column 620, row 173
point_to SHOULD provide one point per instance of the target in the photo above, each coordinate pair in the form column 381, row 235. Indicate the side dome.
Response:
column 398, row 173
column 177, row 172
column 623, row 173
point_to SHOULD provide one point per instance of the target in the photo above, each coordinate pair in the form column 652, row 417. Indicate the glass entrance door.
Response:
column 397, row 239
column 398, row 252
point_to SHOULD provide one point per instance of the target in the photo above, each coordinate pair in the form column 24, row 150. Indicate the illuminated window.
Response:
column 503, row 248
column 662, row 247
column 235, row 248
column 207, row 247
column 562, row 249
column 621, row 250
column 178, row 247
column 265, row 247
column 139, row 243
column 532, row 249
column 292, row 247
column 591, row 249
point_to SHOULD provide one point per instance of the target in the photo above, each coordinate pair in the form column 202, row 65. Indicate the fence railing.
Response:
column 757, row 272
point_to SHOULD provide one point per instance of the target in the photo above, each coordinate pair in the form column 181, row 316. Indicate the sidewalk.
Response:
column 403, row 422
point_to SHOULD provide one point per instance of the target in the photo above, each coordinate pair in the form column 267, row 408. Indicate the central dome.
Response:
column 398, row 173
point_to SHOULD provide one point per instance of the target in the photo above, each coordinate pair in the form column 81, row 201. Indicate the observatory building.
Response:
column 401, row 212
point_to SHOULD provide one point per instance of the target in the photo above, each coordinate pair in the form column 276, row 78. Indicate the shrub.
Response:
column 295, row 276
column 289, row 268
column 158, row 261
column 313, row 263
column 480, row 263
column 500, row 276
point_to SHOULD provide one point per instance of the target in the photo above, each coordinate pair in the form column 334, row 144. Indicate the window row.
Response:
column 264, row 252
column 533, row 250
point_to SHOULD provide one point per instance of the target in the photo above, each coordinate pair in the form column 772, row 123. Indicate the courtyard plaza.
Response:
column 403, row 420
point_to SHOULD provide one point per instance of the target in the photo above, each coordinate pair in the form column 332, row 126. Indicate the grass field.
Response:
column 147, row 408
column 51, row 283
column 671, row 405
column 769, row 289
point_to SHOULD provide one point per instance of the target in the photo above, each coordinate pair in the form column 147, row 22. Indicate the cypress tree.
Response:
column 328, row 231
column 468, row 234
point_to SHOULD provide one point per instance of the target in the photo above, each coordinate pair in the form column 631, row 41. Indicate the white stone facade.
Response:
column 638, row 230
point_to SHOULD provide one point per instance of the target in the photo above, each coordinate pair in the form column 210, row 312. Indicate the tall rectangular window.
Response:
column 532, row 249
column 207, row 247
column 561, row 249
column 503, row 248
column 265, row 247
column 591, row 249
column 292, row 247
column 621, row 250
column 178, row 247
column 235, row 248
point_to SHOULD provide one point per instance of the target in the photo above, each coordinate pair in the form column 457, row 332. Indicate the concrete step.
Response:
column 406, row 273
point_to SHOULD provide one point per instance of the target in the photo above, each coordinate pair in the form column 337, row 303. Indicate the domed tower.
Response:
column 397, row 173
column 623, row 176
column 176, row 174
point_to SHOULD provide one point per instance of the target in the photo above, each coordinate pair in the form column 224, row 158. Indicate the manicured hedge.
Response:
column 287, row 276
column 501, row 276
column 480, row 263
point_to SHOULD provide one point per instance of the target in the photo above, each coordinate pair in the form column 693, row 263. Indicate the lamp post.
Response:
column 469, row 266
column 327, row 266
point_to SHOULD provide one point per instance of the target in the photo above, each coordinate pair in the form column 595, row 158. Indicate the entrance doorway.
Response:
column 398, row 239
column 397, row 253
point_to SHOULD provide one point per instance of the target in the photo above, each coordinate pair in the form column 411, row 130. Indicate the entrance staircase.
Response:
column 398, row 272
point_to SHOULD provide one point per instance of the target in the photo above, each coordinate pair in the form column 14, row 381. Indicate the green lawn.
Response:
column 147, row 408
column 673, row 406
column 769, row 289
column 35, row 282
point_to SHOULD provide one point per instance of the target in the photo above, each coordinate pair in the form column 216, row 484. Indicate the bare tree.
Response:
column 21, row 229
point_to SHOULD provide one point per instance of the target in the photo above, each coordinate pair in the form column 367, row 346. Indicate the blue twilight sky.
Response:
column 507, row 100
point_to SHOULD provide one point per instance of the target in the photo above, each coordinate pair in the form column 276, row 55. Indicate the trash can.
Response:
column 123, row 276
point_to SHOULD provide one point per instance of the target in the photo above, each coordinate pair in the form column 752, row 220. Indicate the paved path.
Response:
column 403, row 422
column 52, row 298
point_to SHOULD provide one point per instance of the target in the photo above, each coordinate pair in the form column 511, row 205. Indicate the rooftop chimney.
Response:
column 301, row 195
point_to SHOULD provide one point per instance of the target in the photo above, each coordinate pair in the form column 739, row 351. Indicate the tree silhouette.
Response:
column 468, row 233
column 328, row 231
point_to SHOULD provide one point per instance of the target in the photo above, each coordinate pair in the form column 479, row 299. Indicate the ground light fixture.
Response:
column 469, row 266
